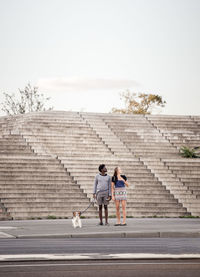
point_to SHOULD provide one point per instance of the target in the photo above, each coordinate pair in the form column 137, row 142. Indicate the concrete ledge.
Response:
column 114, row 235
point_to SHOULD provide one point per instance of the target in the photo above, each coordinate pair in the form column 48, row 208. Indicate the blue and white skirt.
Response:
column 120, row 193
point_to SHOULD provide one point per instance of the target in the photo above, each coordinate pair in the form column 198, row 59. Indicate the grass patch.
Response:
column 188, row 216
column 112, row 216
column 51, row 217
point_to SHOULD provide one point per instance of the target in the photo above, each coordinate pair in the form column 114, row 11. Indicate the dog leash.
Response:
column 88, row 206
column 93, row 201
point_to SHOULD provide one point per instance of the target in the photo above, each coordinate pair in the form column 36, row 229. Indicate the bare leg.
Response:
column 117, row 205
column 106, row 213
column 124, row 210
column 100, row 214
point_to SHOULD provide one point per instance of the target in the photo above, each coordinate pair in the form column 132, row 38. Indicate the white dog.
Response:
column 76, row 221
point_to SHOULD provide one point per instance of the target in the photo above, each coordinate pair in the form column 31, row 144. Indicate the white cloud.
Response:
column 84, row 84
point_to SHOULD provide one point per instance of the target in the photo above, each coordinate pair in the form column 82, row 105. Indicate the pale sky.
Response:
column 82, row 53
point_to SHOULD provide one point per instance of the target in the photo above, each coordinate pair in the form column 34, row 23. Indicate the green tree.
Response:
column 30, row 100
column 140, row 103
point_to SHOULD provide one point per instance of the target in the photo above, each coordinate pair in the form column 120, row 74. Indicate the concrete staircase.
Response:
column 34, row 185
column 154, row 156
column 102, row 130
column 147, row 186
column 138, row 133
column 62, row 134
column 49, row 161
column 179, row 130
column 39, row 187
column 173, row 183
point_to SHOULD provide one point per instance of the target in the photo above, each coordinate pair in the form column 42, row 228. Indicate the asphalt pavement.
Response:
column 125, row 268
column 142, row 238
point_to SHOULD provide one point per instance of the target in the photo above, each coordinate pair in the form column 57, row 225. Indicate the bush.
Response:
column 187, row 152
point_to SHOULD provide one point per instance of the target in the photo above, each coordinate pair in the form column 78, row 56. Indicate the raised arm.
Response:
column 126, row 183
column 125, row 180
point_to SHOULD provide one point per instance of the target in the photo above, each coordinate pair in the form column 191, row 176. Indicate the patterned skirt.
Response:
column 120, row 193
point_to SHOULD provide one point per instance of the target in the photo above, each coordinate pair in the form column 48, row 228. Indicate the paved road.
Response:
column 98, row 269
column 99, row 257
column 100, row 245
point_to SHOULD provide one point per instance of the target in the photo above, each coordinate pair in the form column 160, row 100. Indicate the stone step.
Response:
column 195, row 184
column 190, row 179
column 39, row 188
column 15, row 151
column 140, row 194
column 134, row 182
column 44, row 194
column 84, row 201
column 136, row 178
column 66, row 181
column 27, row 159
column 46, row 206
column 31, row 167
column 132, row 174
column 44, row 201
column 45, row 214
column 60, row 171
column 33, row 177
column 48, row 198
column 96, row 161
column 94, row 167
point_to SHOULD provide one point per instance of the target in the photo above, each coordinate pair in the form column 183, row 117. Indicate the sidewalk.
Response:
column 136, row 228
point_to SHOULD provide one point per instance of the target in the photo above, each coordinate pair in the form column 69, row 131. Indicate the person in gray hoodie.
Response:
column 102, row 191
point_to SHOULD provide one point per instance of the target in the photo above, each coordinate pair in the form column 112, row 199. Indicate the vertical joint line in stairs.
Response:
column 128, row 149
column 158, row 178
column 193, row 120
column 89, row 125
column 164, row 136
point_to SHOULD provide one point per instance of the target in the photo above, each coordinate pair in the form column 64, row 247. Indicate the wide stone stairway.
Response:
column 48, row 161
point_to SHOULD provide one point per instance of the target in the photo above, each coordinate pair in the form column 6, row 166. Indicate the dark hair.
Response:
column 101, row 167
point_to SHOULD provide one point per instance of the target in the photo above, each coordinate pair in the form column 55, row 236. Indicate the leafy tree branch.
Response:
column 30, row 100
column 140, row 103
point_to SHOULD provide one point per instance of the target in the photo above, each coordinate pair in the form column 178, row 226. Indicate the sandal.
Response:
column 117, row 224
column 124, row 224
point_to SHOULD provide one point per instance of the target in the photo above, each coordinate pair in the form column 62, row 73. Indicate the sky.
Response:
column 84, row 53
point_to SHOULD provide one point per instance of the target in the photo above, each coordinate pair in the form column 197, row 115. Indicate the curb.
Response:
column 114, row 235
column 93, row 256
